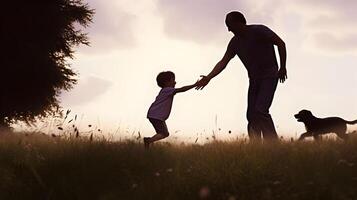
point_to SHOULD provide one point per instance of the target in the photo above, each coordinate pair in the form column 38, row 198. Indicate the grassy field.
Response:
column 41, row 167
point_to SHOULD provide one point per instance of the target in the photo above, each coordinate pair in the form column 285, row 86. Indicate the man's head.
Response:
column 166, row 79
column 235, row 22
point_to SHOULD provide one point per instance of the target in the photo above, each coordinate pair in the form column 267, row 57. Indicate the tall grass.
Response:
column 41, row 167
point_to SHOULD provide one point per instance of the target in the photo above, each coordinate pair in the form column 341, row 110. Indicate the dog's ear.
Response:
column 305, row 112
column 299, row 113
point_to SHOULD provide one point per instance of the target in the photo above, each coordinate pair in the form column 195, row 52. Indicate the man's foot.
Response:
column 146, row 142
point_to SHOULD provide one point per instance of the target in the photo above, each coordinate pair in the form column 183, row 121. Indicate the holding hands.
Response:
column 202, row 83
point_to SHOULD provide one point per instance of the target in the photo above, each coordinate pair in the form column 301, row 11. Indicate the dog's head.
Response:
column 303, row 116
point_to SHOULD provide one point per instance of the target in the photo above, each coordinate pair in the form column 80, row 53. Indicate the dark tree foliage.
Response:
column 37, row 40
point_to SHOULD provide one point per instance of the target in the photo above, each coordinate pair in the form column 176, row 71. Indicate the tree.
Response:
column 37, row 40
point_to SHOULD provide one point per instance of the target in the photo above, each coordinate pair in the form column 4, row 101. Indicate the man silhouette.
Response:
column 254, row 45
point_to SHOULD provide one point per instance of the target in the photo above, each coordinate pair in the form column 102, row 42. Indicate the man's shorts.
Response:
column 159, row 126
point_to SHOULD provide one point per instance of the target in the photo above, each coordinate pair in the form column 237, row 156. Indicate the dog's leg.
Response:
column 304, row 135
column 343, row 136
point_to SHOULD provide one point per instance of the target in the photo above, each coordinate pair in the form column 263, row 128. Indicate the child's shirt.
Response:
column 161, row 107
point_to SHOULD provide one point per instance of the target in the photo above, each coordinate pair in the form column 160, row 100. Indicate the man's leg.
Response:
column 254, row 131
column 264, row 100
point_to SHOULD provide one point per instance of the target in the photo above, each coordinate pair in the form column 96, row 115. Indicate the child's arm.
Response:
column 185, row 88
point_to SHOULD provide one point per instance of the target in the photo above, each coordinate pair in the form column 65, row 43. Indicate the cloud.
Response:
column 347, row 42
column 87, row 90
column 330, row 23
column 348, row 7
column 202, row 21
column 331, row 12
column 112, row 28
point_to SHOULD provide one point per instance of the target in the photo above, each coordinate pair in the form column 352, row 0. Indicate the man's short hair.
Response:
column 163, row 77
column 235, row 16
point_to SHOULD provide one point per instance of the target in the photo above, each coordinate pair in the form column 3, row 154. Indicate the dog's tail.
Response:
column 351, row 122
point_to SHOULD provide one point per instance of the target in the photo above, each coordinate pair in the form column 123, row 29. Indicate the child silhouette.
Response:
column 160, row 109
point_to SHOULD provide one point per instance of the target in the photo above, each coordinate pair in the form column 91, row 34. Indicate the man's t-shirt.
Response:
column 256, row 51
column 161, row 107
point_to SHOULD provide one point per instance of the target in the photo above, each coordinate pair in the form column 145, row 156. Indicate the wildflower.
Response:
column 28, row 147
column 342, row 162
column 40, row 157
column 169, row 170
column 157, row 174
column 231, row 198
column 204, row 192
column 310, row 183
column 276, row 183
column 134, row 186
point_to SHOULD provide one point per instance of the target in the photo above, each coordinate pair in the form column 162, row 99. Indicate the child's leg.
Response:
column 156, row 137
column 161, row 130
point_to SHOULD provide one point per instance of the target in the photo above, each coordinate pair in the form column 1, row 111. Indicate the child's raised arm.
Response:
column 185, row 88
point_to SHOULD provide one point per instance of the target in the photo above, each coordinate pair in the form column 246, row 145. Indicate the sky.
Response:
column 132, row 41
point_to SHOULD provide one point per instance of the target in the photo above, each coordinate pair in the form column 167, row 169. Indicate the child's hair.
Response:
column 163, row 77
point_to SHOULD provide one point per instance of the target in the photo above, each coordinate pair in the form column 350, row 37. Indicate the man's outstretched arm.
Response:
column 218, row 68
column 282, row 74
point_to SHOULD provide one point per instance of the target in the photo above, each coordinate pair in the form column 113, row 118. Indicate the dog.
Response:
column 319, row 126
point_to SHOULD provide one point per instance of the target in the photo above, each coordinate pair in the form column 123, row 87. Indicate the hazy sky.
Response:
column 132, row 41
